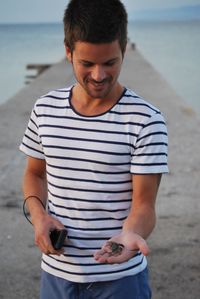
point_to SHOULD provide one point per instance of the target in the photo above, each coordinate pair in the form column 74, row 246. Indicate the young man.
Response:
column 96, row 152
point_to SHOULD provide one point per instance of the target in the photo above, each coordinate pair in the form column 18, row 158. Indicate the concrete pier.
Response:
column 175, row 255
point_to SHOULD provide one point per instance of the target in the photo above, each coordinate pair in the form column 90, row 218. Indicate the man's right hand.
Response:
column 43, row 225
column 35, row 183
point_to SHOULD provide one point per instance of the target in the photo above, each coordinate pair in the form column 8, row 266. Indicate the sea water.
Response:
column 24, row 44
column 173, row 48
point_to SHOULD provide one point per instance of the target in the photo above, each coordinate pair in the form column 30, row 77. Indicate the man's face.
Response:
column 96, row 67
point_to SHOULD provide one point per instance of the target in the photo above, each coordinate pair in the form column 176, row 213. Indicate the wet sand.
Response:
column 175, row 256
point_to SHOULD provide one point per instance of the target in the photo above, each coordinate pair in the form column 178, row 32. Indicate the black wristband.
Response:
column 24, row 204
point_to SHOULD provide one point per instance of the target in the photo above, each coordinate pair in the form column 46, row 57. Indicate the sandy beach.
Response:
column 175, row 256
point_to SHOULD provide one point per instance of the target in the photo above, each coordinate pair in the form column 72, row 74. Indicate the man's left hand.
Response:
column 121, row 248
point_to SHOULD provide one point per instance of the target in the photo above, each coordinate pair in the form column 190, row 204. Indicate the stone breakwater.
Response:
column 174, row 259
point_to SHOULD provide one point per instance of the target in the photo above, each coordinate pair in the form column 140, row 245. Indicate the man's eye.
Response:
column 87, row 64
column 110, row 63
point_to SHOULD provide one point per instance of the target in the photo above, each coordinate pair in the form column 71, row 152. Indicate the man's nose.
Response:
column 98, row 73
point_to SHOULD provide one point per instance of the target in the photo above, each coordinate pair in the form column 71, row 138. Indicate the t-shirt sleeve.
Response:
column 31, row 144
column 151, row 149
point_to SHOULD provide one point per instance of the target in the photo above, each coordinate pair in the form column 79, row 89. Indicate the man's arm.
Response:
column 140, row 222
column 142, row 218
column 34, row 184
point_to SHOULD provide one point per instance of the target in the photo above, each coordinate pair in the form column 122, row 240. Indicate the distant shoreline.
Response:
column 131, row 20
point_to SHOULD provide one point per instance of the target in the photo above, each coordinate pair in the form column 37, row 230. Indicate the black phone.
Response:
column 57, row 238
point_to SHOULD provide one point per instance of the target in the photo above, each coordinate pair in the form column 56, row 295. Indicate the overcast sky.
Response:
column 22, row 11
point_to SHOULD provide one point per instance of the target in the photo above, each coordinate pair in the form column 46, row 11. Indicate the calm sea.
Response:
column 24, row 44
column 173, row 48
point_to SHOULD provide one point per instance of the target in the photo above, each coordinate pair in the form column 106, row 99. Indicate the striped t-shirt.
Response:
column 90, row 161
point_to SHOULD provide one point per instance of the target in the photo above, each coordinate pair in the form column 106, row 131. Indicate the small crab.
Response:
column 114, row 248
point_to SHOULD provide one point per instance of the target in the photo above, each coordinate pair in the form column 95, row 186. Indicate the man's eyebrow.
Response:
column 84, row 60
column 112, row 60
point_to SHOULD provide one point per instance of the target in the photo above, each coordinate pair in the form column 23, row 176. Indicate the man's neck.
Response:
column 88, row 106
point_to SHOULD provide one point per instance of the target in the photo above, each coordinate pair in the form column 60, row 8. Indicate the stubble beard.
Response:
column 96, row 91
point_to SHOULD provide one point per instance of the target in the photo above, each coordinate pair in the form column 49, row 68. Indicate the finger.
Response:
column 99, row 253
column 43, row 247
column 44, row 243
column 57, row 252
column 142, row 246
column 120, row 258
column 39, row 241
column 102, row 258
column 52, row 250
column 107, row 248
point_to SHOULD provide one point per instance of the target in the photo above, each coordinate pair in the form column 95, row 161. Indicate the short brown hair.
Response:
column 95, row 21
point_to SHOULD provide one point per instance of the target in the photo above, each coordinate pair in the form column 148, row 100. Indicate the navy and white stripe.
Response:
column 90, row 162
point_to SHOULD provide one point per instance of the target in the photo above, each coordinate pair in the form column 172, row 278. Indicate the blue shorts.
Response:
column 130, row 287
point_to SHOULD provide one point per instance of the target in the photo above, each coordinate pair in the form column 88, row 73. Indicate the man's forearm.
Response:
column 141, row 222
column 34, row 185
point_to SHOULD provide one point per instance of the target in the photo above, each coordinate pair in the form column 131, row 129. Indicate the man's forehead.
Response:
column 90, row 51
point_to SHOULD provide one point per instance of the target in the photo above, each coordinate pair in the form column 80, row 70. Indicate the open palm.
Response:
column 126, row 245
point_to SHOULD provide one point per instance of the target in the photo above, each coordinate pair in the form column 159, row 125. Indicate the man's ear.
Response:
column 68, row 54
